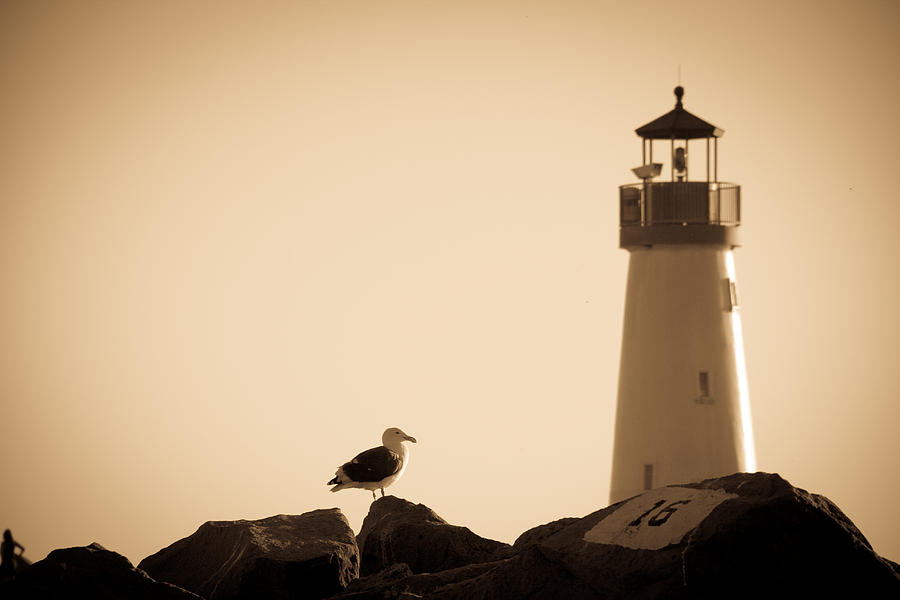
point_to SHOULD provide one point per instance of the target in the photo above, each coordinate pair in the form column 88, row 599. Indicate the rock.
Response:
column 90, row 572
column 745, row 535
column 537, row 573
column 383, row 582
column 535, row 535
column 308, row 556
column 398, row 531
column 398, row 582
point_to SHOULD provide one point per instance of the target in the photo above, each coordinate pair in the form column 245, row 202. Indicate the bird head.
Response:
column 394, row 435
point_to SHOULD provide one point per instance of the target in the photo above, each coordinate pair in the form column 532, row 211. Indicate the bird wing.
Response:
column 373, row 465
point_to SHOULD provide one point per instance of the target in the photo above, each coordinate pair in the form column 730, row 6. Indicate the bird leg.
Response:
column 373, row 495
column 382, row 492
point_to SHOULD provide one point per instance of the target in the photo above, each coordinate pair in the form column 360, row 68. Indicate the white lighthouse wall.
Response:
column 674, row 425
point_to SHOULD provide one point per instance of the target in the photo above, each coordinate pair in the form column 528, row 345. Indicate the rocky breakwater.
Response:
column 741, row 536
column 308, row 556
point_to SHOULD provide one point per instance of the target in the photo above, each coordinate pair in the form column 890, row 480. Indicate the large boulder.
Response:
column 745, row 535
column 749, row 535
column 308, row 556
column 89, row 572
column 398, row 531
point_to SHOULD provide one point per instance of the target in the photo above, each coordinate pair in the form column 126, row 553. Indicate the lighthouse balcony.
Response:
column 672, row 212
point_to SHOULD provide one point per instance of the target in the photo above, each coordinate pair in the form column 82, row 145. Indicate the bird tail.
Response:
column 341, row 481
column 338, row 479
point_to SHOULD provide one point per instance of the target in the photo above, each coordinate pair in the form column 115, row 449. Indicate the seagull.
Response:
column 375, row 468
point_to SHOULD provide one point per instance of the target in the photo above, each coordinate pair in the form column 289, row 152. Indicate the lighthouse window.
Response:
column 703, row 381
column 731, row 296
column 648, row 477
column 729, row 287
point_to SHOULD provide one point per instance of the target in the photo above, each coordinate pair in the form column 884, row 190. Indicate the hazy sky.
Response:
column 238, row 240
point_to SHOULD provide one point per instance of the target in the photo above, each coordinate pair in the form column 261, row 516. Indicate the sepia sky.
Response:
column 240, row 239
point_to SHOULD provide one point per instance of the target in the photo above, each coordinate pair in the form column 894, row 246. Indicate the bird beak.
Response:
column 410, row 438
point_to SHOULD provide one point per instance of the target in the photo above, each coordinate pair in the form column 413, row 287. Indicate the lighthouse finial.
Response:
column 679, row 92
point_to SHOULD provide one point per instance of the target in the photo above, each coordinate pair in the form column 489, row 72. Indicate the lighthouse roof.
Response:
column 678, row 124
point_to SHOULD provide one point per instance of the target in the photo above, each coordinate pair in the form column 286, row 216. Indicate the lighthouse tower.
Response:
column 683, row 410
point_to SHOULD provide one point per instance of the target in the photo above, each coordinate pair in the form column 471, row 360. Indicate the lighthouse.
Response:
column 683, row 406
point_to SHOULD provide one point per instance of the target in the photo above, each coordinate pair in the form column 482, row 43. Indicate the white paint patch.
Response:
column 657, row 518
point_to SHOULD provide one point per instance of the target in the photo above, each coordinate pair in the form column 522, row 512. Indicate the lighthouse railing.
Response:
column 679, row 203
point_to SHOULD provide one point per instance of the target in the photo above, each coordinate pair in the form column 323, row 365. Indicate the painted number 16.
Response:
column 661, row 517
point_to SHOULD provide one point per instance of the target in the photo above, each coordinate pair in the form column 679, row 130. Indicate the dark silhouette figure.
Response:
column 9, row 560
